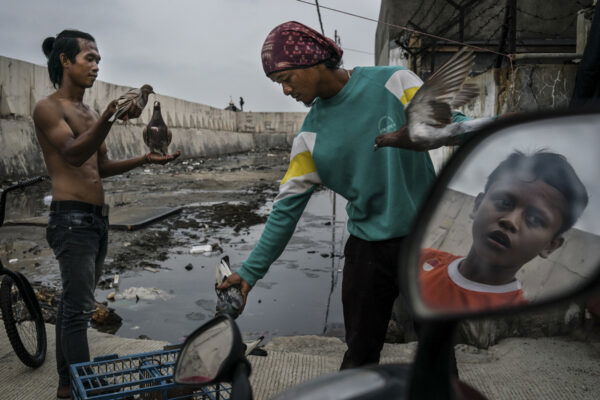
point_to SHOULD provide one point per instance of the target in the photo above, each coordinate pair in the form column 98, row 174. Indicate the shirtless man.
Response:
column 71, row 136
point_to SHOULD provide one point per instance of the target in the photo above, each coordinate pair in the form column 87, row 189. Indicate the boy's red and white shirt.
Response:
column 443, row 287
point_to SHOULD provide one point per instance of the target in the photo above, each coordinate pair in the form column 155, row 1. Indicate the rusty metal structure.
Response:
column 505, row 26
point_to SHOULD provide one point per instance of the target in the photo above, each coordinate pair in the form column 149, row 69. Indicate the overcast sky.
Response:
column 198, row 50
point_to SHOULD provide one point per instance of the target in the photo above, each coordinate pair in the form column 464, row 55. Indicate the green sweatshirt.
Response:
column 334, row 148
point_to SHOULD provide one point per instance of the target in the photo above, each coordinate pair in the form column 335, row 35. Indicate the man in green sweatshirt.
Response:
column 334, row 148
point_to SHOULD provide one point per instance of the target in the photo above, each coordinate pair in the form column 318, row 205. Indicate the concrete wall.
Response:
column 198, row 129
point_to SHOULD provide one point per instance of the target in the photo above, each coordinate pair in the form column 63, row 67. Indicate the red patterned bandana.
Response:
column 294, row 45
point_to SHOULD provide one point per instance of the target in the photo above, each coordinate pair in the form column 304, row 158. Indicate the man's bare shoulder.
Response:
column 47, row 109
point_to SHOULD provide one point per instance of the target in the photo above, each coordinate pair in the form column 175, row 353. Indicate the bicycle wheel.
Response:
column 23, row 321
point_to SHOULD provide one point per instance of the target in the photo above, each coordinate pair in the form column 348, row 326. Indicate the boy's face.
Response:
column 517, row 220
column 84, row 70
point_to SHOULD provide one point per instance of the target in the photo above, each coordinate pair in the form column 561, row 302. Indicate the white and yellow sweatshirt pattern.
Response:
column 335, row 148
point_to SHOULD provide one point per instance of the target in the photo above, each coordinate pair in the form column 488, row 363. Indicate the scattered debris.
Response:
column 206, row 248
column 105, row 319
column 189, row 267
column 143, row 294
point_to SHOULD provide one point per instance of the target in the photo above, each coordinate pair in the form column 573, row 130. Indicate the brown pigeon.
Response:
column 430, row 109
column 132, row 103
column 157, row 135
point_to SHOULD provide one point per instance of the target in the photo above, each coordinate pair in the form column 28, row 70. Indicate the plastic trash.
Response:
column 206, row 248
column 142, row 293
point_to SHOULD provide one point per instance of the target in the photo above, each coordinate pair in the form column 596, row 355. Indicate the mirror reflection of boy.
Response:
column 527, row 204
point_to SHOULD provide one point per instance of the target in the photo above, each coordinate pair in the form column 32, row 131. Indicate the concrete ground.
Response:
column 523, row 368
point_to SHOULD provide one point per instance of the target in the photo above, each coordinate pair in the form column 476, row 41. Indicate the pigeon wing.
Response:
column 146, row 134
column 450, row 78
column 467, row 93
column 446, row 85
column 169, row 136
column 125, row 102
column 165, row 140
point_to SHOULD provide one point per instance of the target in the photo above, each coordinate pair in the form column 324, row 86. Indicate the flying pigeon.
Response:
column 157, row 135
column 132, row 103
column 429, row 113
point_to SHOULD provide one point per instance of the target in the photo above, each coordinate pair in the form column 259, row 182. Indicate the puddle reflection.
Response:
column 300, row 295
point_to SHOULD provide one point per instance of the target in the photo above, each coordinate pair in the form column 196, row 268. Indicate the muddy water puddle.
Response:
column 299, row 295
column 225, row 201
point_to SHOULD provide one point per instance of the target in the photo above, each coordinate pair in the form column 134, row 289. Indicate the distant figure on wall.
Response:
column 231, row 106
column 241, row 104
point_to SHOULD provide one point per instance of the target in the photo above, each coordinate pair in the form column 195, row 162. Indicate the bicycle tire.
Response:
column 21, row 318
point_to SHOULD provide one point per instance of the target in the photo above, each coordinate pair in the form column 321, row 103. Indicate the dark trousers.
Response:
column 79, row 241
column 369, row 289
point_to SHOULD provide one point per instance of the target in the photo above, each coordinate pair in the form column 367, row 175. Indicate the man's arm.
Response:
column 108, row 167
column 49, row 120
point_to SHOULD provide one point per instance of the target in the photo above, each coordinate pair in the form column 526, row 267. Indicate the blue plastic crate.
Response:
column 144, row 376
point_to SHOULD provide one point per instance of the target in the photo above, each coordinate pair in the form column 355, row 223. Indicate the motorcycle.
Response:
column 457, row 223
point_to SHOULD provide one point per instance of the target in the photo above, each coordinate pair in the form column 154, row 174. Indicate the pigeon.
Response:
column 430, row 110
column 132, row 103
column 229, row 301
column 157, row 135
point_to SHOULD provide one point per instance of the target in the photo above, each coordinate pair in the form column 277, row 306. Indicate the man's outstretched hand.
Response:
column 233, row 280
column 155, row 158
column 402, row 140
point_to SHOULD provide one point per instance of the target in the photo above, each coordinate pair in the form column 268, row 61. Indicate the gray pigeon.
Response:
column 430, row 109
column 131, row 104
column 157, row 135
column 229, row 301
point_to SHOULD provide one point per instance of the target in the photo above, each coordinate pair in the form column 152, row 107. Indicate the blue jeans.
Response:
column 79, row 240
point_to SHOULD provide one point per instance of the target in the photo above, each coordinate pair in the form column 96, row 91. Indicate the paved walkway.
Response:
column 548, row 368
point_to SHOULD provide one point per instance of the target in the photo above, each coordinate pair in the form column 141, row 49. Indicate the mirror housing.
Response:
column 517, row 124
column 211, row 353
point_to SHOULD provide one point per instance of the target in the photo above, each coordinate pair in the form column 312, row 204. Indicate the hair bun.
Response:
column 47, row 45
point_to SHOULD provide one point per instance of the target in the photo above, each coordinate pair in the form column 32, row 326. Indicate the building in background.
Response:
column 547, row 39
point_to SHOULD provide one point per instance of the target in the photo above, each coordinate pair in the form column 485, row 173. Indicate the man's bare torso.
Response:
column 69, row 182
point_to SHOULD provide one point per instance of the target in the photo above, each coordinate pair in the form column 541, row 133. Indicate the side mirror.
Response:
column 513, row 221
column 211, row 353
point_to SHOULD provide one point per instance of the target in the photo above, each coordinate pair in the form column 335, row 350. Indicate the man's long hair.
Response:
column 67, row 43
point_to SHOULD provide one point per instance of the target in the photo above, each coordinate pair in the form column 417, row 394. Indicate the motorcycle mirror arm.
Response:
column 240, row 383
column 434, row 367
